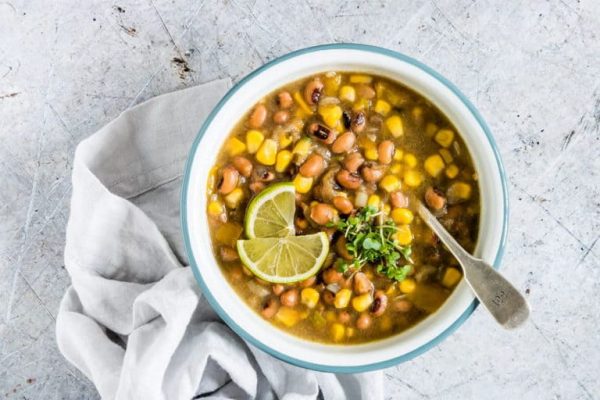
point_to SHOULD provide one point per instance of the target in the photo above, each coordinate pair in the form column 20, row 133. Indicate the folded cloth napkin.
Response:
column 134, row 321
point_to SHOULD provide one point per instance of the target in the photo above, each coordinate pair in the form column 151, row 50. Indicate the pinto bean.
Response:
column 289, row 298
column 372, row 172
column 284, row 100
column 281, row 117
column 380, row 302
column 402, row 305
column 398, row 199
column 343, row 204
column 228, row 254
column 270, row 308
column 363, row 322
column 313, row 166
column 362, row 284
column 243, row 165
column 359, row 121
column 277, row 289
column 322, row 213
column 229, row 180
column 344, row 142
column 348, row 179
column 313, row 91
column 332, row 275
column 353, row 161
column 258, row 116
column 386, row 151
column 434, row 198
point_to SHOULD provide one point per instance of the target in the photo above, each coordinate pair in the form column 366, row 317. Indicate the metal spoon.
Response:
column 498, row 295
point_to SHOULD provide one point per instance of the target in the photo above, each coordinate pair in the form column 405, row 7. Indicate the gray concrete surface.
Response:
column 531, row 67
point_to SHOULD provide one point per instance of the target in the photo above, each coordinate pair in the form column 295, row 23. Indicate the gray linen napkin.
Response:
column 134, row 320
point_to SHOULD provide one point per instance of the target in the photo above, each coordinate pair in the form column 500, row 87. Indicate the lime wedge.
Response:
column 284, row 259
column 271, row 213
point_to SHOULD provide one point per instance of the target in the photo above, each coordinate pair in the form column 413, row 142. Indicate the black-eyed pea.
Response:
column 229, row 180
column 385, row 151
column 289, row 298
column 313, row 166
column 348, row 179
column 372, row 173
column 434, row 198
column 313, row 91
column 363, row 322
column 277, row 289
column 343, row 143
column 284, row 100
column 281, row 117
column 258, row 116
column 308, row 282
column 343, row 204
column 331, row 275
column 270, row 308
column 353, row 161
column 380, row 302
column 402, row 305
column 243, row 165
column 362, row 284
column 322, row 213
column 344, row 317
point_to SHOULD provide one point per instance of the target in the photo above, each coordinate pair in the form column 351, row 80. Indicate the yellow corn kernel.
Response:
column 342, row 298
column 267, row 154
column 215, row 208
column 361, row 79
column 331, row 114
column 402, row 216
column 396, row 168
column 390, row 183
column 403, row 235
column 413, row 178
column 417, row 113
column 347, row 93
column 302, row 147
column 254, row 139
column 385, row 323
column 350, row 332
column 398, row 154
column 380, row 89
column 284, row 157
column 332, row 83
column 361, row 104
column 362, row 302
column 459, row 191
column 338, row 332
column 452, row 171
column 451, row 277
column 374, row 201
column 287, row 316
column 309, row 297
column 444, row 137
column 302, row 183
column 285, row 140
column 302, row 104
column 434, row 165
column 233, row 199
column 446, row 155
column 394, row 124
column 386, row 209
column 410, row 160
column 408, row 285
column 235, row 147
column 382, row 107
column 431, row 129
column 391, row 290
column 228, row 233
column 330, row 316
column 371, row 154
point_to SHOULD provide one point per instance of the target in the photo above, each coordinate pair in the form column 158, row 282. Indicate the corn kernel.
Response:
column 382, row 107
column 233, row 199
column 403, row 235
column 431, row 129
column 235, row 146
column 391, row 290
column 302, row 104
column 285, row 140
column 398, row 155
column 302, row 147
column 267, row 154
column 390, row 183
column 331, row 114
column 410, row 160
column 446, row 155
column 361, row 105
column 361, row 79
column 396, row 168
column 434, row 165
column 371, row 154
column 394, row 124
column 254, row 139
column 413, row 178
column 380, row 89
column 452, row 171
column 302, row 183
column 417, row 113
column 287, row 316
column 347, row 93
column 451, row 277
column 342, row 298
column 215, row 208
column 386, row 209
column 362, row 302
column 350, row 332
column 444, row 137
column 284, row 157
column 374, row 201
column 229, row 233
column 408, row 285
column 309, row 297
column 332, row 83
column 402, row 216
column 338, row 332
column 330, row 316
column 459, row 191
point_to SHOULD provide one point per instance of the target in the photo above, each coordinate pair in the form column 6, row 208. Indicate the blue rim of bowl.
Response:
column 265, row 347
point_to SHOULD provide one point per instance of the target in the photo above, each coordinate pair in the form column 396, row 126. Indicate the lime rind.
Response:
column 271, row 213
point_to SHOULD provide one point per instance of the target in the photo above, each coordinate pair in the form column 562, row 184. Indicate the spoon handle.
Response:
column 508, row 307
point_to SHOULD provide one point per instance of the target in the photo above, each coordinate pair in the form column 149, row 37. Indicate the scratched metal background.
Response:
column 531, row 67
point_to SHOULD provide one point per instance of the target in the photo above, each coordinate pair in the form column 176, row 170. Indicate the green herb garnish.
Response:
column 370, row 240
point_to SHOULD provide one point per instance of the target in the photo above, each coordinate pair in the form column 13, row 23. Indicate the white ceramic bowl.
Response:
column 302, row 63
